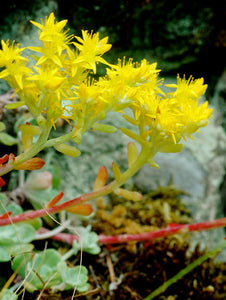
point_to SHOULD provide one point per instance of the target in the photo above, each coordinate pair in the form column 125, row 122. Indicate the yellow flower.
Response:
column 130, row 78
column 59, row 86
column 168, row 118
column 134, row 74
column 48, row 79
column 91, row 49
column 74, row 70
column 10, row 54
column 14, row 74
column 45, row 92
column 14, row 63
column 49, row 52
column 87, row 103
column 188, row 89
column 54, row 39
column 194, row 117
column 51, row 31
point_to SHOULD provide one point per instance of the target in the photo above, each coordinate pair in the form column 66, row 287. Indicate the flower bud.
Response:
column 130, row 195
column 101, row 178
column 34, row 163
column 81, row 209
column 68, row 150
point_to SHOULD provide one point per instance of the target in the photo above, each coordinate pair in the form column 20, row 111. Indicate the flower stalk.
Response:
column 105, row 190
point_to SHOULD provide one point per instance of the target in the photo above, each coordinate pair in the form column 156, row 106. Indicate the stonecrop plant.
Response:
column 60, row 85
column 58, row 80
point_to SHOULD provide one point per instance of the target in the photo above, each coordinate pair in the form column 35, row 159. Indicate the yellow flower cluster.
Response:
column 59, row 85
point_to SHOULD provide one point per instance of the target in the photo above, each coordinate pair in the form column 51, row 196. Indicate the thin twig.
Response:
column 96, row 281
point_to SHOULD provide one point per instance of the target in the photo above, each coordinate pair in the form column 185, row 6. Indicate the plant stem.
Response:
column 41, row 143
column 145, row 236
column 50, row 233
column 68, row 254
column 142, row 158
column 34, row 150
column 61, row 139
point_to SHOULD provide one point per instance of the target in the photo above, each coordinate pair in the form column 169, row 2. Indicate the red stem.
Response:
column 140, row 237
column 41, row 212
column 52, row 210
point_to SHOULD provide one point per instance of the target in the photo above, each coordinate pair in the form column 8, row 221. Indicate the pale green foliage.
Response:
column 48, row 267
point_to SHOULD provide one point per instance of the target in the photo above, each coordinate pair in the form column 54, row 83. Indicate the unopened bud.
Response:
column 34, row 163
column 81, row 209
column 101, row 178
column 130, row 195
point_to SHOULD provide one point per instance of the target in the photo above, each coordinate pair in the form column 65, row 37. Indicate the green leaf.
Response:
column 20, row 249
column 133, row 136
column 51, row 258
column 104, row 128
column 56, row 176
column 88, row 242
column 23, row 264
column 78, row 138
column 22, row 120
column 68, row 150
column 19, row 262
column 152, row 163
column 2, row 126
column 7, row 139
column 15, row 105
column 14, row 208
column 3, row 200
column 171, row 148
column 76, row 277
column 5, row 253
column 8, row 295
column 18, row 233
column 44, row 263
column 36, row 223
column 50, row 267
column 39, row 198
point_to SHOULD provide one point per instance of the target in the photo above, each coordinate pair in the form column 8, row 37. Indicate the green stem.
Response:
column 145, row 153
column 68, row 254
column 34, row 150
column 60, row 140
column 41, row 143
